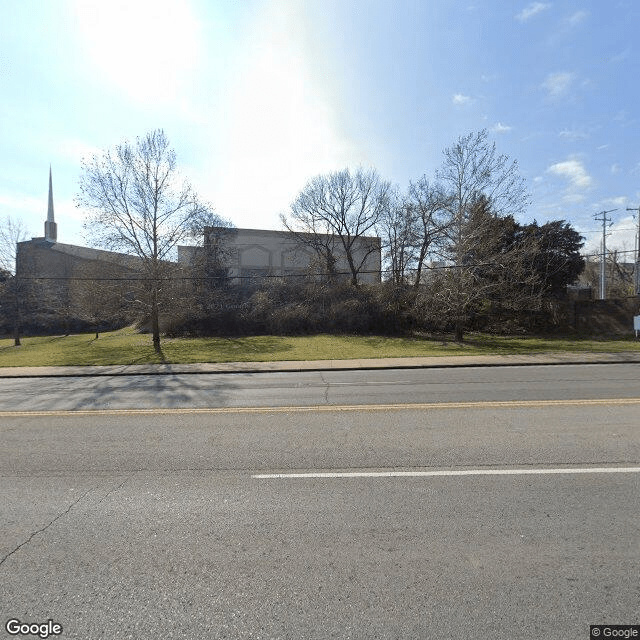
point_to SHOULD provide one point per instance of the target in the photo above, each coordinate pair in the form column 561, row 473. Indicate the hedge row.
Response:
column 286, row 308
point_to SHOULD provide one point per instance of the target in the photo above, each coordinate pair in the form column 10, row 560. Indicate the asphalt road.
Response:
column 121, row 524
column 279, row 389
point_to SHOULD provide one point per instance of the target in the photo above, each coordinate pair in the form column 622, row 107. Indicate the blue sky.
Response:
column 258, row 96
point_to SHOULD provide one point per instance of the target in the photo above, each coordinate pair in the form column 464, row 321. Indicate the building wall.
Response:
column 247, row 252
column 71, row 281
column 40, row 258
column 258, row 252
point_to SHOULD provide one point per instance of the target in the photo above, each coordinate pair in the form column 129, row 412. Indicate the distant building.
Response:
column 61, row 275
column 247, row 253
column 257, row 253
column 53, row 263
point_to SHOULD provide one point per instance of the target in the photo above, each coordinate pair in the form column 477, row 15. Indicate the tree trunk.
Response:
column 459, row 330
column 352, row 268
column 421, row 259
column 16, row 318
column 155, row 322
column 155, row 328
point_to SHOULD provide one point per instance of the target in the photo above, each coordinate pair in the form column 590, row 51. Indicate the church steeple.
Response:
column 50, row 226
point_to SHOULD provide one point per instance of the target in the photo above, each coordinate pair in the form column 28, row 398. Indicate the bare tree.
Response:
column 334, row 212
column 475, row 177
column 138, row 203
column 210, row 260
column 101, row 292
column 398, row 228
column 411, row 227
column 428, row 202
column 621, row 281
column 620, row 273
column 204, row 267
column 14, row 288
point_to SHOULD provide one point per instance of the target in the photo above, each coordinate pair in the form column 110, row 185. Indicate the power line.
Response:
column 429, row 267
column 599, row 230
column 598, row 255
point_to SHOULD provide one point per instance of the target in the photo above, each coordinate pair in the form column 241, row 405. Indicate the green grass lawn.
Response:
column 126, row 346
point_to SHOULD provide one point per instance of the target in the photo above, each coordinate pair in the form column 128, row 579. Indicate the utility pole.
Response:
column 603, row 256
column 636, row 270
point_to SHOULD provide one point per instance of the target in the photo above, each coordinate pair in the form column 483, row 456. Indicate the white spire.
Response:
column 50, row 209
column 50, row 226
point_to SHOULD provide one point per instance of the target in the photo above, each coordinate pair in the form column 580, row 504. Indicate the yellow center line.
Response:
column 427, row 406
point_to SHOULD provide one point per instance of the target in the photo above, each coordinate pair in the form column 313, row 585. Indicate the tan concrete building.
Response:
column 255, row 253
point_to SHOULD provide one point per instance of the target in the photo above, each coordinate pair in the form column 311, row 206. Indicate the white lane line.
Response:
column 446, row 472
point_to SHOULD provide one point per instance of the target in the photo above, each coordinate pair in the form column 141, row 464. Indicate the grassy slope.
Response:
column 128, row 347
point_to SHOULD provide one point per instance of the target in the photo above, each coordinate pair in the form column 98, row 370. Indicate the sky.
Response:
column 259, row 96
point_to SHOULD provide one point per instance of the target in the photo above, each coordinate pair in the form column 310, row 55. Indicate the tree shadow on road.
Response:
column 122, row 392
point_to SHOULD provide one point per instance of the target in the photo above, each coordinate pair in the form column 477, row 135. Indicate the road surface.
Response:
column 328, row 521
column 278, row 389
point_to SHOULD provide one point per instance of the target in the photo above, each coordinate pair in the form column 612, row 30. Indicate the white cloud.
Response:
column 574, row 171
column 558, row 84
column 620, row 57
column 621, row 235
column 460, row 99
column 532, row 10
column 618, row 202
column 573, row 198
column 626, row 118
column 578, row 17
column 615, row 168
column 501, row 128
column 572, row 135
